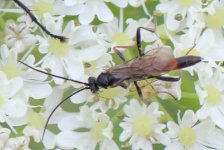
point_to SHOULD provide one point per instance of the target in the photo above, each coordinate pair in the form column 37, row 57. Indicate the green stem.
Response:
column 188, row 95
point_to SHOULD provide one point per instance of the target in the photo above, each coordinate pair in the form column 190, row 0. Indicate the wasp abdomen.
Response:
column 187, row 61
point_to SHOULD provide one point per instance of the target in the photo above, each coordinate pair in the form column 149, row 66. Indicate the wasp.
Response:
column 152, row 64
column 35, row 20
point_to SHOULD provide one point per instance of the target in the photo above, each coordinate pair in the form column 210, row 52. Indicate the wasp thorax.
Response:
column 105, row 80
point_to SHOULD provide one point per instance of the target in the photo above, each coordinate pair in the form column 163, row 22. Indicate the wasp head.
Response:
column 93, row 85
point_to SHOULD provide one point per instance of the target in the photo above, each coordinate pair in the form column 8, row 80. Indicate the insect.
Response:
column 147, row 65
column 35, row 20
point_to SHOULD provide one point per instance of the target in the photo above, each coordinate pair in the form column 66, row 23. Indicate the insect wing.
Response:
column 153, row 63
column 156, row 61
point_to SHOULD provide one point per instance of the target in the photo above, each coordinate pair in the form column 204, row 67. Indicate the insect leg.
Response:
column 138, row 89
column 119, row 53
column 138, row 38
column 170, row 79
column 34, row 19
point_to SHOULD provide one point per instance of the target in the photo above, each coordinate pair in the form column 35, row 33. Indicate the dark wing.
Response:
column 153, row 63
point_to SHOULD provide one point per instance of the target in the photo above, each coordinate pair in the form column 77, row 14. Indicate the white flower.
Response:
column 13, row 69
column 110, row 98
column 64, row 58
column 4, row 136
column 190, row 135
column 210, row 90
column 90, row 8
column 17, row 142
column 18, row 36
column 7, row 143
column 19, row 84
column 113, row 34
column 207, row 44
column 179, row 12
column 98, row 130
column 95, row 7
column 142, row 127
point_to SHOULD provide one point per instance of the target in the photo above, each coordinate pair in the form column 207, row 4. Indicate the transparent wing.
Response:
column 153, row 63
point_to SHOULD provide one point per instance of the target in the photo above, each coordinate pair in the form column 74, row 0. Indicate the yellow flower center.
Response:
column 215, row 20
column 120, row 39
column 214, row 95
column 58, row 48
column 96, row 131
column 10, row 70
column 110, row 92
column 40, row 8
column 142, row 125
column 186, row 3
column 35, row 120
column 187, row 136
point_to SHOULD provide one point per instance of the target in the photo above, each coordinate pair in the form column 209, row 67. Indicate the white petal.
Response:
column 55, row 98
column 49, row 140
column 104, row 13
column 162, row 138
column 203, row 112
column 81, row 97
column 70, row 139
column 171, row 23
column 71, row 123
column 13, row 87
column 127, row 131
column 74, row 68
column 70, row 2
column 174, row 146
column 173, row 128
column 189, row 118
column 120, row 3
column 66, row 139
column 218, row 118
column 86, row 16
column 15, row 108
column 29, row 75
column 108, row 145
column 204, row 128
column 92, row 53
column 215, row 139
column 200, row 146
column 38, row 91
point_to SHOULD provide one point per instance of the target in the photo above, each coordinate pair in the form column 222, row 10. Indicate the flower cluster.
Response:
column 50, row 49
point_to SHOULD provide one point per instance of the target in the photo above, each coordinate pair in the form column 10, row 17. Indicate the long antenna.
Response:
column 53, row 75
column 34, row 19
column 48, row 119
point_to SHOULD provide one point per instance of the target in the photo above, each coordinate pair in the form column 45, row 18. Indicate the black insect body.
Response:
column 152, row 64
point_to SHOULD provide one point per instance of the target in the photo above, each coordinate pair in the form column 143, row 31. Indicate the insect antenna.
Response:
column 59, row 104
column 34, row 19
column 53, row 75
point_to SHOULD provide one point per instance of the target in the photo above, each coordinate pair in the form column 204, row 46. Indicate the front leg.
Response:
column 138, row 38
